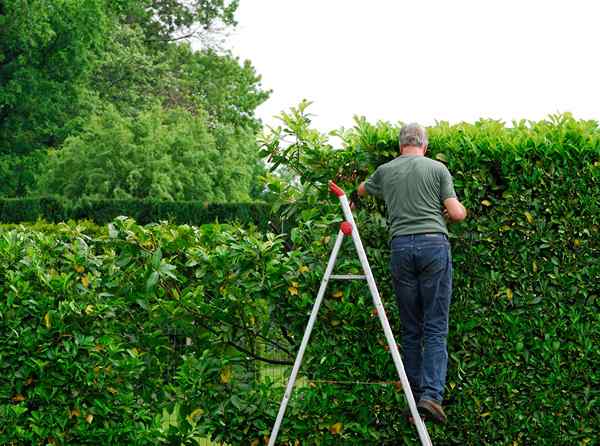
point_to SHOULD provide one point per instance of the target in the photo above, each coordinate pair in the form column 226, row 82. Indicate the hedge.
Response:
column 525, row 314
column 16, row 210
column 52, row 209
column 155, row 335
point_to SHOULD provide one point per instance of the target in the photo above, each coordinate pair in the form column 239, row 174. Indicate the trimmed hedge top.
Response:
column 52, row 209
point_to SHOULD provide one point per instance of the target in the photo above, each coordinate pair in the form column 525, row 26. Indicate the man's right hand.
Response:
column 454, row 211
column 362, row 190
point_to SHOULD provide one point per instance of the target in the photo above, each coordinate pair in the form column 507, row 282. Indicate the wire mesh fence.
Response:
column 259, row 371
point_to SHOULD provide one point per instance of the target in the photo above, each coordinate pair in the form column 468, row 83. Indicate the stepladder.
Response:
column 348, row 228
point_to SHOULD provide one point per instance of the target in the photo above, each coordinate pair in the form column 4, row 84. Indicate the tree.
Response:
column 131, row 75
column 46, row 50
column 49, row 49
column 172, row 20
column 64, row 61
column 228, row 90
column 160, row 154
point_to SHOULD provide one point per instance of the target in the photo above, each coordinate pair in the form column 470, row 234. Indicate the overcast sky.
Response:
column 424, row 60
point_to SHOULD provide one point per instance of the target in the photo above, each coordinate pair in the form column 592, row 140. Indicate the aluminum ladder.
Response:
column 349, row 228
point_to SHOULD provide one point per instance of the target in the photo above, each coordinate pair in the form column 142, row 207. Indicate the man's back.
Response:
column 414, row 189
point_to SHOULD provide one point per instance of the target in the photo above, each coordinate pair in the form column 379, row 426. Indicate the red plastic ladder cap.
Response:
column 346, row 228
column 337, row 190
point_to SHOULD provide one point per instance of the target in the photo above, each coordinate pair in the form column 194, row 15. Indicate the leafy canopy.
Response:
column 160, row 154
column 132, row 77
column 64, row 62
column 46, row 51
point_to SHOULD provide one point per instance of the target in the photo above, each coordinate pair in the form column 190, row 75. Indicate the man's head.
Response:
column 413, row 140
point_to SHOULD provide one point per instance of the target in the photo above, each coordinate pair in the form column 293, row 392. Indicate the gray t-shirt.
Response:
column 414, row 189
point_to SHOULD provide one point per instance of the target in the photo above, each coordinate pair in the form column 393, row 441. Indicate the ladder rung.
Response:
column 347, row 277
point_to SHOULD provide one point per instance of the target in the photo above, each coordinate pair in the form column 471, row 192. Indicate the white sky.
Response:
column 424, row 60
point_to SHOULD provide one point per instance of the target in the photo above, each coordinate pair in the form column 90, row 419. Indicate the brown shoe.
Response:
column 432, row 410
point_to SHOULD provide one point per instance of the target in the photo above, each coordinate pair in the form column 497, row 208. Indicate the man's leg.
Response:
column 411, row 313
column 434, row 265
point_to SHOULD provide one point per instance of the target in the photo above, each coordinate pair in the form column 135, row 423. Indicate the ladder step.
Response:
column 347, row 277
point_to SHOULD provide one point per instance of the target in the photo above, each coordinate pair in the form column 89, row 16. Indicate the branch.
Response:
column 246, row 351
column 287, row 336
column 252, row 332
column 168, row 38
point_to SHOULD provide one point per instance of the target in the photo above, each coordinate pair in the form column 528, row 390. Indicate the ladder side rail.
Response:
column 305, row 339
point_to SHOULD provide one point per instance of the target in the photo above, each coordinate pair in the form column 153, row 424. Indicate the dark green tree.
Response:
column 46, row 51
column 65, row 61
column 131, row 75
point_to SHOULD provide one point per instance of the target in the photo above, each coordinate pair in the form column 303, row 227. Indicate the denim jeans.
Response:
column 421, row 268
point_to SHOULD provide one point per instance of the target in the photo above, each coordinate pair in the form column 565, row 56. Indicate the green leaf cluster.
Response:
column 123, row 336
column 46, row 53
column 524, row 315
column 164, row 155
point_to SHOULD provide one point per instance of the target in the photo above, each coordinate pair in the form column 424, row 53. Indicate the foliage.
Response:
column 164, row 21
column 228, row 90
column 46, row 51
column 163, row 155
column 16, row 210
column 18, row 173
column 109, row 339
column 64, row 63
column 180, row 212
column 53, row 210
column 130, row 75
column 525, row 307
column 524, row 318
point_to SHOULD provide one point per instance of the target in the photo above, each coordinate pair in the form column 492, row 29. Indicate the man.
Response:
column 419, row 196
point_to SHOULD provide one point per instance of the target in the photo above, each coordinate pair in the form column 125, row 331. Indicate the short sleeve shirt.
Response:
column 414, row 189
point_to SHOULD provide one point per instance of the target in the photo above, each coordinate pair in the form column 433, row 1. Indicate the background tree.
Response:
column 132, row 75
column 166, row 21
column 62, row 63
column 46, row 51
column 160, row 154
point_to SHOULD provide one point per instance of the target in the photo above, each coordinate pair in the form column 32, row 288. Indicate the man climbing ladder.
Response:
column 418, row 194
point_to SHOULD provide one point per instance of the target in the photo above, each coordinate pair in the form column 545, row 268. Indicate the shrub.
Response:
column 13, row 210
column 107, row 338
column 524, row 317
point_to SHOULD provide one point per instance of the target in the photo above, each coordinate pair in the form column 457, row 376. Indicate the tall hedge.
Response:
column 524, row 318
column 166, row 334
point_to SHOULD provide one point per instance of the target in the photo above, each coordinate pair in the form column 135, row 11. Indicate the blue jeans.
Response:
column 421, row 268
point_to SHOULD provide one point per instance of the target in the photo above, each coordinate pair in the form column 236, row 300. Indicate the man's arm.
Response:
column 371, row 186
column 454, row 209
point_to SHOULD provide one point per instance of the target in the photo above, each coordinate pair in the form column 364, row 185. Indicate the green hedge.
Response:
column 17, row 210
column 118, row 338
column 144, row 212
column 152, row 330
column 525, row 314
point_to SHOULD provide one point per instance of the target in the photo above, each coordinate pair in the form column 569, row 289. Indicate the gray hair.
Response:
column 413, row 135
